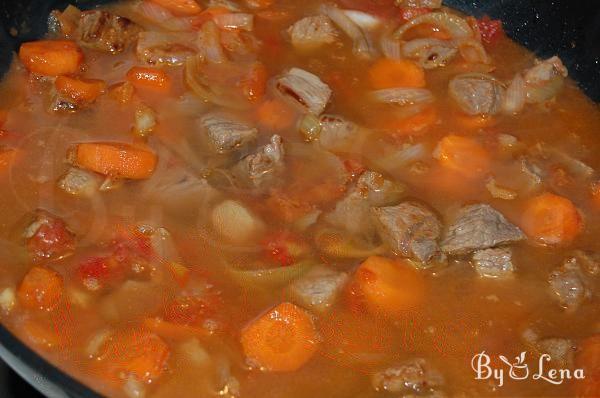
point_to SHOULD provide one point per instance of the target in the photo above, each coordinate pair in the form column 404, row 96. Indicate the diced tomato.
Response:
column 409, row 13
column 491, row 29
column 49, row 238
column 193, row 310
column 128, row 246
column 284, row 248
column 381, row 8
column 97, row 272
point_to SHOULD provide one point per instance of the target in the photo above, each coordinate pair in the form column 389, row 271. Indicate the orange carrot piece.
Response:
column 80, row 90
column 388, row 287
column 173, row 331
column 282, row 340
column 588, row 359
column 134, row 352
column 389, row 73
column 275, row 115
column 551, row 219
column 463, row 155
column 180, row 7
column 41, row 288
column 116, row 160
column 413, row 125
column 41, row 335
column 51, row 57
column 150, row 78
column 255, row 84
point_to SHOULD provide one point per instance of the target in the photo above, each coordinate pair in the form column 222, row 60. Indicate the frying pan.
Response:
column 568, row 28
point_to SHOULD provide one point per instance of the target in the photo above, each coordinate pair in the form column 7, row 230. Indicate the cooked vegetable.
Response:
column 362, row 48
column 388, row 287
column 51, row 57
column 179, row 7
column 463, row 155
column 305, row 89
column 429, row 53
column 236, row 223
column 389, row 73
column 79, row 90
column 41, row 289
column 282, row 340
column 115, row 160
column 551, row 220
column 149, row 78
column 339, row 245
column 454, row 25
column 270, row 277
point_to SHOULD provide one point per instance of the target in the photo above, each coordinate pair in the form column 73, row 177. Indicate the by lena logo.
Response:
column 520, row 370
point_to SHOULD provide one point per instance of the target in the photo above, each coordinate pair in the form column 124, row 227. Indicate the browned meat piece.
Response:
column 352, row 212
column 478, row 227
column 569, row 285
column 545, row 70
column 318, row 289
column 257, row 168
column 101, row 30
column 226, row 133
column 160, row 48
column 312, row 32
column 409, row 229
column 305, row 89
column 476, row 94
column 493, row 263
column 414, row 376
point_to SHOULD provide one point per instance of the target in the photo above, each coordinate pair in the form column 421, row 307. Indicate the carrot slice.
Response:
column 134, row 352
column 275, row 115
column 80, row 90
column 389, row 73
column 463, row 155
column 588, row 359
column 282, row 340
column 41, row 288
column 551, row 219
column 412, row 125
column 116, row 160
column 388, row 287
column 150, row 78
column 180, row 7
column 51, row 57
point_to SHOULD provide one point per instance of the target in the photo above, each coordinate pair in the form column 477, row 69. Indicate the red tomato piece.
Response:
column 49, row 238
column 491, row 29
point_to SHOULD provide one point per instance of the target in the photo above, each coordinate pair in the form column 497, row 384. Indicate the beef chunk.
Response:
column 225, row 133
column 352, row 213
column 493, row 263
column 409, row 229
column 101, row 30
column 312, row 32
column 305, row 89
column 479, row 227
column 569, row 285
column 257, row 168
column 414, row 376
column 318, row 289
column 476, row 94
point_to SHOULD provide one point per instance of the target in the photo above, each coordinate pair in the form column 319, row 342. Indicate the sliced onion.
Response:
column 209, row 43
column 237, row 20
column 391, row 47
column 334, row 243
column 499, row 192
column 362, row 47
column 310, row 127
column 430, row 53
column 473, row 51
column 7, row 300
column 514, row 98
column 456, row 26
column 145, row 120
column 400, row 159
column 163, row 17
column 271, row 277
column 540, row 93
column 362, row 19
column 403, row 96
